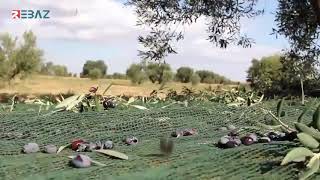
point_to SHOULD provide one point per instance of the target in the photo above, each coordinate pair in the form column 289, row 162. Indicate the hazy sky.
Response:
column 79, row 30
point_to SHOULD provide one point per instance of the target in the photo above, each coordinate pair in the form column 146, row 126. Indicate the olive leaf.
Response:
column 316, row 118
column 131, row 100
column 104, row 92
column 61, row 148
column 75, row 102
column 308, row 141
column 67, row 101
column 305, row 110
column 296, row 153
column 97, row 103
column 313, row 167
column 279, row 107
column 113, row 154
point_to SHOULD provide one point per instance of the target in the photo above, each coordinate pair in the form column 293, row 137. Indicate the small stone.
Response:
column 81, row 161
column 231, row 127
column 51, row 149
column 264, row 140
column 108, row 145
column 31, row 148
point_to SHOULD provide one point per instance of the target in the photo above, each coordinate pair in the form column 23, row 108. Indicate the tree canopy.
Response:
column 90, row 65
column 54, row 70
column 19, row 60
column 297, row 20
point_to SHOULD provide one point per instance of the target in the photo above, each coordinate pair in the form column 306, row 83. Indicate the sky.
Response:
column 80, row 30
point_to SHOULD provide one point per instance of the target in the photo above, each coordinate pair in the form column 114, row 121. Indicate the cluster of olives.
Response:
column 184, row 132
column 84, row 146
column 34, row 147
column 131, row 140
column 233, row 139
column 108, row 103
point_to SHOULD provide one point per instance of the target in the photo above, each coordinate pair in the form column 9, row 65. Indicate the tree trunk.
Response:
column 302, row 91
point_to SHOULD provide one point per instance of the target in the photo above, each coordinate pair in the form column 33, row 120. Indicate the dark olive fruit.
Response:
column 81, row 161
column 247, row 140
column 93, row 89
column 83, row 147
column 273, row 136
column 99, row 145
column 291, row 136
column 253, row 136
column 264, row 140
column 233, row 133
column 131, row 140
column 177, row 133
column 76, row 143
column 189, row 132
column 229, row 142
column 236, row 139
column 31, row 148
column 282, row 114
column 108, row 145
column 50, row 149
column 108, row 104
column 282, row 136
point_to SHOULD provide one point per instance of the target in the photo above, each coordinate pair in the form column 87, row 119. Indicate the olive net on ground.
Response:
column 194, row 157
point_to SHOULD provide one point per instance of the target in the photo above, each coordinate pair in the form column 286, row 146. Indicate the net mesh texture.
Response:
column 194, row 157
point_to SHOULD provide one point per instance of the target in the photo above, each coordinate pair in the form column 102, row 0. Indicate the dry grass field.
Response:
column 55, row 85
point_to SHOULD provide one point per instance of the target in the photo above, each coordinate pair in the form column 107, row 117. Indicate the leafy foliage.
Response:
column 275, row 75
column 95, row 73
column 195, row 79
column 19, row 61
column 184, row 74
column 212, row 78
column 136, row 73
column 90, row 65
column 159, row 72
column 54, row 70
column 167, row 18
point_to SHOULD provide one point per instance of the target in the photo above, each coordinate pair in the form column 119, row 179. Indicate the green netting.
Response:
column 194, row 157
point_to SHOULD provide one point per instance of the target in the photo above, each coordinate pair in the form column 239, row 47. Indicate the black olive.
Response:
column 247, row 140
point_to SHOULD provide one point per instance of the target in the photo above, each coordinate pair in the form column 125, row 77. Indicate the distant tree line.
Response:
column 162, row 73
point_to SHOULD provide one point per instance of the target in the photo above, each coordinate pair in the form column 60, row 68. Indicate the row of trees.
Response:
column 162, row 73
